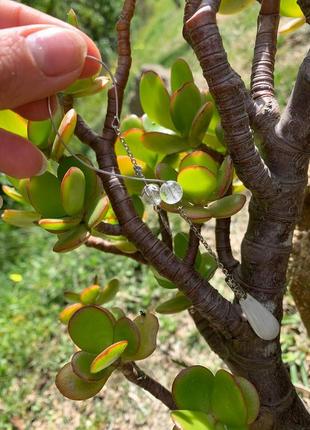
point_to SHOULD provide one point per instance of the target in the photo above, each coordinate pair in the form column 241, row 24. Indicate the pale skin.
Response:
column 39, row 56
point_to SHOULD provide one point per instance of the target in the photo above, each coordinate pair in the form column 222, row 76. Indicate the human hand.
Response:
column 39, row 56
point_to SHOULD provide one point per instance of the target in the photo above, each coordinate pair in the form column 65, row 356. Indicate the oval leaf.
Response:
column 125, row 329
column 67, row 313
column 89, row 295
column 180, row 74
column 228, row 404
column 73, row 191
column 184, row 106
column 192, row 420
column 108, row 356
column 199, row 158
column 75, row 388
column 177, row 304
column 250, row 396
column 163, row 143
column 91, row 329
column 59, row 225
column 227, row 206
column 155, row 99
column 192, row 389
column 71, row 239
column 198, row 183
column 108, row 293
column 81, row 362
column 148, row 328
column 20, row 218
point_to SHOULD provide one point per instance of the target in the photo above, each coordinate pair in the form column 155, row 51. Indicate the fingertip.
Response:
column 91, row 67
column 38, row 110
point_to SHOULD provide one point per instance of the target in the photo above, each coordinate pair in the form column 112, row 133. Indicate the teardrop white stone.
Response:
column 264, row 324
column 150, row 194
column 171, row 192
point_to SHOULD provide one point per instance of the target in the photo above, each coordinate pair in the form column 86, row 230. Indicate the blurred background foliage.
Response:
column 33, row 344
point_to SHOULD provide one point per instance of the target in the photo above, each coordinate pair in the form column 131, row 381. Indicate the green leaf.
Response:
column 19, row 218
column 163, row 282
column 125, row 329
column 290, row 8
column 228, row 404
column 14, row 123
column 201, row 122
column 75, row 388
column 69, row 310
column 72, row 191
column 39, row 132
column 192, row 389
column 71, row 296
column 134, row 141
column 180, row 74
column 89, row 294
column 90, row 176
column 229, row 7
column 250, row 396
column 224, row 178
column 81, row 362
column 131, row 121
column 71, row 239
column 198, row 183
column 155, row 99
column 96, row 210
column 109, row 291
column 91, row 329
column 126, row 168
column 185, row 104
column 165, row 172
column 64, row 135
column 117, row 313
column 199, row 158
column 13, row 194
column 197, row 214
column 192, row 420
column 108, row 356
column 177, row 304
column 207, row 266
column 44, row 195
column 59, row 225
column 180, row 244
column 227, row 206
column 148, row 328
column 164, row 144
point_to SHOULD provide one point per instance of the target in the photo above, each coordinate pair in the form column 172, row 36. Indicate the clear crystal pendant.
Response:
column 171, row 192
column 151, row 195
column 263, row 323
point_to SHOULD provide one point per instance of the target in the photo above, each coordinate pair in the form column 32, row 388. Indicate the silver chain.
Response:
column 230, row 281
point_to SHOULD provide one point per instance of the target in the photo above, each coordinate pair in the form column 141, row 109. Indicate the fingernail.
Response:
column 57, row 51
column 44, row 166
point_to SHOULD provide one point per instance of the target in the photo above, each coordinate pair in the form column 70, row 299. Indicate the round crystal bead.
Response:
column 150, row 194
column 171, row 192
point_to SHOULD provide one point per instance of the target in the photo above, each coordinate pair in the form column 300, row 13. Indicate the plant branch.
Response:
column 135, row 375
column 165, row 228
column 109, row 229
column 223, row 247
column 228, row 90
column 262, row 79
column 193, row 246
column 106, row 246
column 305, row 7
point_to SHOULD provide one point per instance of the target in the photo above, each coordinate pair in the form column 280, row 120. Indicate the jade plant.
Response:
column 214, row 144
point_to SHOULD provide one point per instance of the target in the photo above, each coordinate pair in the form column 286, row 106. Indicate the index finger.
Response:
column 13, row 14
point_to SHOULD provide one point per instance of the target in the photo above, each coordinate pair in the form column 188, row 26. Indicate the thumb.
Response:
column 38, row 61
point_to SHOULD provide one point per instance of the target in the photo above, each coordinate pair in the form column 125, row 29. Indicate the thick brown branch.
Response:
column 135, row 375
column 85, row 133
column 165, row 228
column 262, row 79
column 228, row 91
column 223, row 247
column 294, row 126
column 305, row 7
column 109, row 229
column 106, row 246
column 193, row 246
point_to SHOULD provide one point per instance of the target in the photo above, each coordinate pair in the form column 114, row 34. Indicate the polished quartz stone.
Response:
column 151, row 195
column 171, row 192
